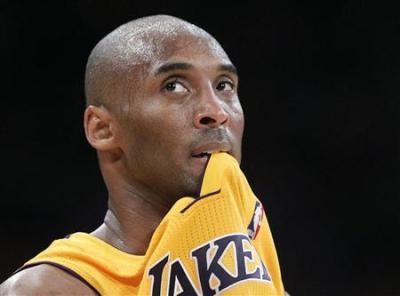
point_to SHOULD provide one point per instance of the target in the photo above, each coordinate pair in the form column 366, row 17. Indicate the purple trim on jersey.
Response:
column 63, row 268
column 201, row 197
column 202, row 176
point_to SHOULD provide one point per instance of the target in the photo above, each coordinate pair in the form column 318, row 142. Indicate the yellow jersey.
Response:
column 219, row 243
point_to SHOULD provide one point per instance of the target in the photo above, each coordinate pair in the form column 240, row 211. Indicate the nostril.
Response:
column 207, row 120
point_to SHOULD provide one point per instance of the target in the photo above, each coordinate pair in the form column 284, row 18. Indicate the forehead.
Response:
column 187, row 43
column 198, row 50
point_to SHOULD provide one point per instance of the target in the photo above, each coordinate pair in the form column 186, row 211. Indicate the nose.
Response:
column 210, row 113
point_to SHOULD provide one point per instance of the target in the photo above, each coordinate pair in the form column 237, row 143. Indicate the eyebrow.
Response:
column 228, row 68
column 169, row 67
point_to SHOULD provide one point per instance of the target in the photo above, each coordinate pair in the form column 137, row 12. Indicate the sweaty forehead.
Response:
column 192, row 49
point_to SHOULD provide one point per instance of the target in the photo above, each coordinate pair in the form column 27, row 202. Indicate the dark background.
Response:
column 320, row 88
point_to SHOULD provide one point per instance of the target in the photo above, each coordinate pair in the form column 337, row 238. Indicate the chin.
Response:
column 191, row 186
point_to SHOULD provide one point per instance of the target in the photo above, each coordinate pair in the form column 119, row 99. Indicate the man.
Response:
column 164, row 116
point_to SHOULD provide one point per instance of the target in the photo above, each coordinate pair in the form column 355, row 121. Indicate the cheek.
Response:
column 237, row 119
column 157, row 128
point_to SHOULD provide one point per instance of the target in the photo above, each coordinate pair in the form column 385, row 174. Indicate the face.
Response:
column 186, row 108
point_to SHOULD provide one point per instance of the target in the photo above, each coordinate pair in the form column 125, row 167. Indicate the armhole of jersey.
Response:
column 63, row 268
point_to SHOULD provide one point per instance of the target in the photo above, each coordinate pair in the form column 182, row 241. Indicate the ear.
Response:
column 99, row 131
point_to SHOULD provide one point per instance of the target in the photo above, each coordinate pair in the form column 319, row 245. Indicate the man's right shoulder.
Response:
column 43, row 279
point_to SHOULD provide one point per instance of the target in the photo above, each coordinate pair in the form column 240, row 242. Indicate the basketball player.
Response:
column 164, row 115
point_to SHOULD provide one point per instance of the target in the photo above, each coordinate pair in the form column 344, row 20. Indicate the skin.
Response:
column 167, row 91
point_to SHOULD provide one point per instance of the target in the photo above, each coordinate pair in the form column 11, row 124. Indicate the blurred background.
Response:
column 320, row 90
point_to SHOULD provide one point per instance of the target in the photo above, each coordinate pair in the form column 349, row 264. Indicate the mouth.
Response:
column 202, row 154
column 205, row 150
column 207, row 154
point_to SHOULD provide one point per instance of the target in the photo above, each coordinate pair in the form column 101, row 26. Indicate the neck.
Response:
column 131, row 220
column 129, row 225
column 134, row 212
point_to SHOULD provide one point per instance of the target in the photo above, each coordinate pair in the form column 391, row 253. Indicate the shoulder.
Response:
column 44, row 279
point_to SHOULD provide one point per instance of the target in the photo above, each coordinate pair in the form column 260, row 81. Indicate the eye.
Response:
column 175, row 86
column 225, row 85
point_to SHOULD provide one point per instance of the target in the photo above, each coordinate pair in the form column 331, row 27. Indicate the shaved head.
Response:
column 120, row 61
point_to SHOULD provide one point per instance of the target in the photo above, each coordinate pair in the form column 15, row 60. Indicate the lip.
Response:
column 212, row 147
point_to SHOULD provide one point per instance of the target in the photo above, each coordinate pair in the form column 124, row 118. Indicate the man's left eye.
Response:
column 225, row 85
column 175, row 86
